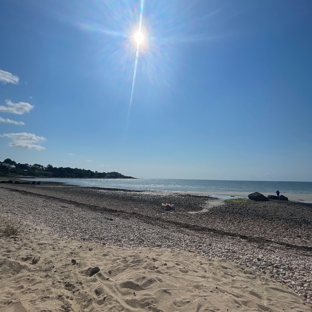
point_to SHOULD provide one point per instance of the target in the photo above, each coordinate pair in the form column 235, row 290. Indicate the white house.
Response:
column 10, row 167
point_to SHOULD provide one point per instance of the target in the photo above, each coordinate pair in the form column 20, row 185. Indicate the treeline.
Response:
column 10, row 168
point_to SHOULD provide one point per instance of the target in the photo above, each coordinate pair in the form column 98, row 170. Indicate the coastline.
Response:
column 300, row 196
column 272, row 239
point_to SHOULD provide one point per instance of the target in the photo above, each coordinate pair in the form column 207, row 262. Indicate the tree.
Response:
column 9, row 161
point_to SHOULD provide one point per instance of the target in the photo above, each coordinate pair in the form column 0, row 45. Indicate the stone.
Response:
column 35, row 260
column 282, row 197
column 92, row 271
column 273, row 197
column 257, row 197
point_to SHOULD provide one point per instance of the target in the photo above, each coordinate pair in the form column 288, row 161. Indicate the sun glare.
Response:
column 138, row 38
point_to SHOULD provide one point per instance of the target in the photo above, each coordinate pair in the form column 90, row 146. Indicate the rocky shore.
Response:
column 272, row 238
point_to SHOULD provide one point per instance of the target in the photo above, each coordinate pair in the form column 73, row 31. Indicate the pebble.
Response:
column 290, row 266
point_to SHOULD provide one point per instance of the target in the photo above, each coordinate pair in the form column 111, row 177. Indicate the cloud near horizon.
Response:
column 18, row 123
column 16, row 108
column 24, row 140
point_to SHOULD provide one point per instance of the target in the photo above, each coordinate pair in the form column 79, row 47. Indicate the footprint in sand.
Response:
column 10, row 267
column 131, row 285
column 149, row 283
column 183, row 270
column 255, row 294
column 163, row 295
column 181, row 303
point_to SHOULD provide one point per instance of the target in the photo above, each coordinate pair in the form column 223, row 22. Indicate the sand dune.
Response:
column 41, row 272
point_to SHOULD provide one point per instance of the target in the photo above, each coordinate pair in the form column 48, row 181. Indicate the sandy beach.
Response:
column 83, row 249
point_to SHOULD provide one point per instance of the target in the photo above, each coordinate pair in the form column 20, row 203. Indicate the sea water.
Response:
column 219, row 188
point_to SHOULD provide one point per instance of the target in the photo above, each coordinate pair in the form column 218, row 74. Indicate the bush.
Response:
column 10, row 230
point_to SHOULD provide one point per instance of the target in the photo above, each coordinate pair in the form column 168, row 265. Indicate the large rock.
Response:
column 273, row 197
column 282, row 197
column 257, row 197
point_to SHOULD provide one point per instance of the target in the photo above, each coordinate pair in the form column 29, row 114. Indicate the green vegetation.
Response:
column 237, row 200
column 10, row 168
column 10, row 230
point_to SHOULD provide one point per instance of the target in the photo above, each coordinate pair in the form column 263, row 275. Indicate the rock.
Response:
column 257, row 197
column 273, row 197
column 73, row 261
column 33, row 182
column 38, row 183
column 92, row 271
column 282, row 197
column 35, row 260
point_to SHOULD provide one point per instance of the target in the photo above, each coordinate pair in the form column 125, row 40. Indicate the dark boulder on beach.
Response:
column 257, row 197
column 273, row 197
column 282, row 197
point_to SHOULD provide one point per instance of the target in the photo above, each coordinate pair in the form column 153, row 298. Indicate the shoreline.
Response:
column 284, row 224
column 272, row 238
column 147, row 205
column 296, row 197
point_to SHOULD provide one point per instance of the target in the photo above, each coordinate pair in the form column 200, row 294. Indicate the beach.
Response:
column 206, row 255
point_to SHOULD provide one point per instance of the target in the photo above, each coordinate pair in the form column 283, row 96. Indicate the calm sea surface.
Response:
column 194, row 186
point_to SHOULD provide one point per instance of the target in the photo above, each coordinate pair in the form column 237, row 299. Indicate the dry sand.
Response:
column 37, row 270
column 42, row 271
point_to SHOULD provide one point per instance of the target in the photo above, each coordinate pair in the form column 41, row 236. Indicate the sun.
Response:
column 139, row 38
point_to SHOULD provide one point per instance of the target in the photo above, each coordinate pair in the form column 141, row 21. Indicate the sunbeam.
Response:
column 139, row 41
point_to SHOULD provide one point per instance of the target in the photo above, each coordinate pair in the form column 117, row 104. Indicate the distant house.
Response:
column 10, row 167
column 38, row 167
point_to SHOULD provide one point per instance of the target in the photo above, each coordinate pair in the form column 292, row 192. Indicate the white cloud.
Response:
column 24, row 140
column 18, row 123
column 89, row 160
column 16, row 108
column 7, row 77
column 70, row 154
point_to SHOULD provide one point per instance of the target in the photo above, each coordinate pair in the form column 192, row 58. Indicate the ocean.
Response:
column 218, row 188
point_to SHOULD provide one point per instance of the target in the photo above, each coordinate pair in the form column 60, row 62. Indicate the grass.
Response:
column 10, row 230
column 237, row 200
column 8, row 227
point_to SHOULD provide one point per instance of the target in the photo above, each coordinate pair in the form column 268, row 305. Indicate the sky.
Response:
column 184, row 89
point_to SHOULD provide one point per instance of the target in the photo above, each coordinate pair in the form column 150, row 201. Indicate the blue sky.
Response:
column 215, row 90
